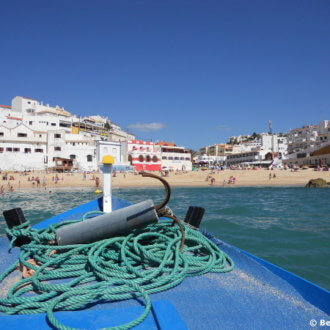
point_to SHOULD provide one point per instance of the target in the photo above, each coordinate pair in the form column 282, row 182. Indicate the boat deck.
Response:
column 255, row 295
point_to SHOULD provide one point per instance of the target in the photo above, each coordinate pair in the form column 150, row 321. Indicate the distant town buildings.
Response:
column 307, row 145
column 34, row 135
column 38, row 136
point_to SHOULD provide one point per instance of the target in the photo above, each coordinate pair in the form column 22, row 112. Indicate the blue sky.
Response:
column 193, row 72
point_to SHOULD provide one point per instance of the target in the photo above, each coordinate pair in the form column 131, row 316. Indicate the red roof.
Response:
column 5, row 106
column 164, row 143
column 16, row 118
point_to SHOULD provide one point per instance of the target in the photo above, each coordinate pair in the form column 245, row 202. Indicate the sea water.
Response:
column 289, row 227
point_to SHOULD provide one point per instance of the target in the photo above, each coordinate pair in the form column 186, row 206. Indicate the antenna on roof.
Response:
column 270, row 130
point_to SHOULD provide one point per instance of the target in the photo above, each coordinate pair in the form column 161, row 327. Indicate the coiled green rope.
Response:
column 145, row 261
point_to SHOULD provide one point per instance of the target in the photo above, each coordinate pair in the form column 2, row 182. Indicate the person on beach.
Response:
column 274, row 176
column 212, row 181
column 2, row 190
column 270, row 176
column 97, row 181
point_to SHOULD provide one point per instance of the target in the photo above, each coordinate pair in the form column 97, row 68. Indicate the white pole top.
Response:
column 107, row 162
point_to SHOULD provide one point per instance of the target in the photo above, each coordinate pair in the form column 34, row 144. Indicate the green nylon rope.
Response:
column 145, row 261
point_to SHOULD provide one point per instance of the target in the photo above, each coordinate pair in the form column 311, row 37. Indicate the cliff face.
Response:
column 316, row 183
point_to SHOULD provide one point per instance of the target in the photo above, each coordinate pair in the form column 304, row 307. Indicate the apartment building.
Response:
column 302, row 138
column 144, row 155
column 22, row 148
column 176, row 158
column 253, row 157
column 219, row 149
column 35, row 136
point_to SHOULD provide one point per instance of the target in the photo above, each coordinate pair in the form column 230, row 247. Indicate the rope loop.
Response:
column 145, row 261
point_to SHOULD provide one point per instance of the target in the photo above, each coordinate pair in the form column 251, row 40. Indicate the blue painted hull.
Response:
column 255, row 295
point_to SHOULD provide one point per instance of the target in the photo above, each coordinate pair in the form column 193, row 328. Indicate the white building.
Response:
column 34, row 136
column 302, row 138
column 239, row 138
column 274, row 143
column 22, row 148
column 253, row 157
column 118, row 134
column 318, row 155
column 118, row 150
column 79, row 148
column 176, row 158
column 144, row 155
column 323, row 132
column 262, row 151
column 210, row 160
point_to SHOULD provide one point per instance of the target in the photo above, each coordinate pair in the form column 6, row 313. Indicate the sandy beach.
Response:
column 259, row 177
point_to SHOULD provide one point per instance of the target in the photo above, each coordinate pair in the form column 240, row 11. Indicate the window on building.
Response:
column 164, row 157
column 1, row 150
column 30, row 122
column 181, row 158
column 27, row 150
column 89, row 158
column 57, row 148
column 141, row 158
column 148, row 158
column 1, row 133
column 170, row 158
column 72, row 156
column 57, row 136
column 39, row 150
column 9, row 149
column 155, row 159
column 16, row 149
column 40, row 135
column 176, row 158
column 53, row 124
column 187, row 158
column 21, row 134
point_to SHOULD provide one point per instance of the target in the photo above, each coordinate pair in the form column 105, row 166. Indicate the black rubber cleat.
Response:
column 194, row 215
column 15, row 217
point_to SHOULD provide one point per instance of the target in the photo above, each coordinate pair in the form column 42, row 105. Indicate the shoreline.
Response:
column 92, row 189
column 197, row 179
